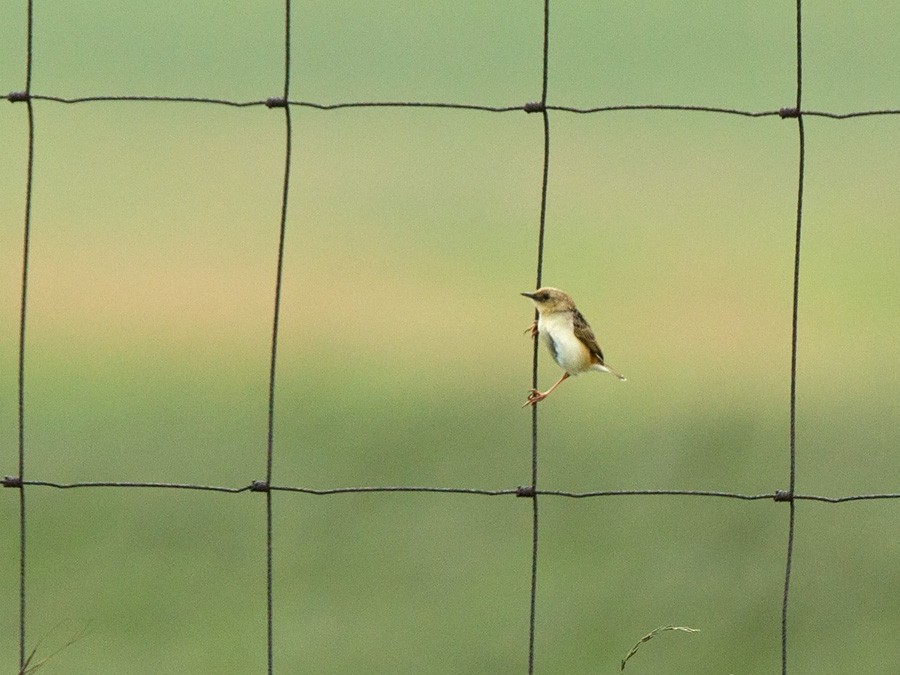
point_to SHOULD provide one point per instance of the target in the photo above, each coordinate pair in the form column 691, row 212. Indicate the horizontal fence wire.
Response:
column 519, row 491
column 531, row 491
column 533, row 106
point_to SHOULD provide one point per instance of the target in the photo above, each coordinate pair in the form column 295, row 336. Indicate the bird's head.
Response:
column 549, row 300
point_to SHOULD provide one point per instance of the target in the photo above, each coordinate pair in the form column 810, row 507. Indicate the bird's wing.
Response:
column 584, row 333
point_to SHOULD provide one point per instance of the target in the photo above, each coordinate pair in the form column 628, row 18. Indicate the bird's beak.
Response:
column 528, row 295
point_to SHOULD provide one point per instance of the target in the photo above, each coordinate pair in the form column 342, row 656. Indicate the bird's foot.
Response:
column 534, row 397
column 533, row 329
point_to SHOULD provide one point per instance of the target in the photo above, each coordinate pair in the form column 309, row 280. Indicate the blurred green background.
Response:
column 401, row 354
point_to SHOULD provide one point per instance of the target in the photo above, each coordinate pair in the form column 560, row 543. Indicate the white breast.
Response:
column 568, row 351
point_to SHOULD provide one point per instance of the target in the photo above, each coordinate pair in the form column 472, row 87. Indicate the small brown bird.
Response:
column 568, row 337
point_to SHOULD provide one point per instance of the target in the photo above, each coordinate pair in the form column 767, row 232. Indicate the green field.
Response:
column 401, row 360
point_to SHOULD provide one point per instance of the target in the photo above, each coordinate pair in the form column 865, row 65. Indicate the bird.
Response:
column 567, row 335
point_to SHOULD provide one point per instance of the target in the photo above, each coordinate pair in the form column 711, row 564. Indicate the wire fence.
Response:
column 532, row 492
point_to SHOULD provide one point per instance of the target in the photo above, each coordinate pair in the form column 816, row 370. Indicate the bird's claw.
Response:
column 534, row 396
column 533, row 329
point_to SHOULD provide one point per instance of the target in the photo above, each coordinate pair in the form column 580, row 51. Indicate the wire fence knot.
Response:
column 276, row 102
column 783, row 496
column 534, row 106
column 259, row 486
column 15, row 96
column 526, row 491
column 785, row 113
column 12, row 481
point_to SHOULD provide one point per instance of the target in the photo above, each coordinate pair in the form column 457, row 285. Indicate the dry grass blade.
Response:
column 30, row 667
column 652, row 634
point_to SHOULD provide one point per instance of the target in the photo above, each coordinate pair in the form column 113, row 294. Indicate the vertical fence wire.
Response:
column 23, row 312
column 279, row 275
column 545, row 118
column 795, row 307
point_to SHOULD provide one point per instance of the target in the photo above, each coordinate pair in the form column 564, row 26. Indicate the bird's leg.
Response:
column 536, row 396
column 533, row 329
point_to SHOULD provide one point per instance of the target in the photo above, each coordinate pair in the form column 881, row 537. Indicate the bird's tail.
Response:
column 604, row 367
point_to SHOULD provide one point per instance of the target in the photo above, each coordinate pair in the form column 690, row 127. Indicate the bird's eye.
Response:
column 541, row 297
